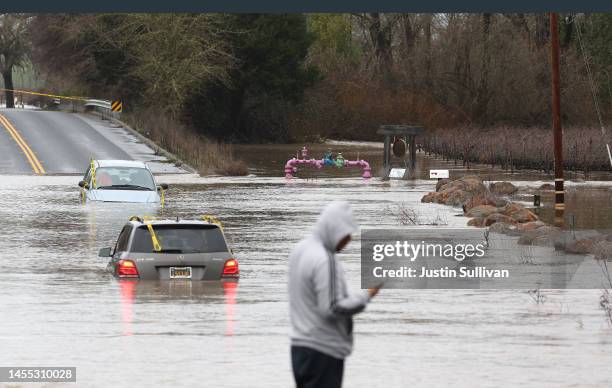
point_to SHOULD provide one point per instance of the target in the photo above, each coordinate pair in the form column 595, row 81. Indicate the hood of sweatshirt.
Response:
column 335, row 222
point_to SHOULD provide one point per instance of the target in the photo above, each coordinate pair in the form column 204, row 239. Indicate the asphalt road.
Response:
column 62, row 143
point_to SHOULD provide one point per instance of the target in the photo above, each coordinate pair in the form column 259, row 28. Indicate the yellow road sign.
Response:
column 116, row 106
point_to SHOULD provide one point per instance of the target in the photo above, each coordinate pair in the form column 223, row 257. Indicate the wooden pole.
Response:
column 387, row 158
column 556, row 121
column 412, row 140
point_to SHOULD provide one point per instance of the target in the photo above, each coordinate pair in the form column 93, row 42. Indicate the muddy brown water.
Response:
column 588, row 203
column 60, row 308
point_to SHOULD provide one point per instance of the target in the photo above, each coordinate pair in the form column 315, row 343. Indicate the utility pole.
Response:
column 556, row 121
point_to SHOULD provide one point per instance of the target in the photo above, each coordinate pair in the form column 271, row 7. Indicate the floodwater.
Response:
column 60, row 308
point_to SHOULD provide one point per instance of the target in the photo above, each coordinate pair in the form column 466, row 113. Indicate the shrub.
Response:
column 207, row 156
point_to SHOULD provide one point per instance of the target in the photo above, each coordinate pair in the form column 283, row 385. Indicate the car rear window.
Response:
column 180, row 239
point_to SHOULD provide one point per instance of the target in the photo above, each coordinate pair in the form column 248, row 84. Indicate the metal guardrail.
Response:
column 103, row 104
column 103, row 107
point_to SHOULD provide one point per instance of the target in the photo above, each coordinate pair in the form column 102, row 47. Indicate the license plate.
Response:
column 180, row 272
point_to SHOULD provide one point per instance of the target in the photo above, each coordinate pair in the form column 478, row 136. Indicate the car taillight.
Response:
column 230, row 268
column 127, row 269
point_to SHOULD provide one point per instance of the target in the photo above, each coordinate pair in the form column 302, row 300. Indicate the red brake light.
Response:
column 230, row 268
column 127, row 269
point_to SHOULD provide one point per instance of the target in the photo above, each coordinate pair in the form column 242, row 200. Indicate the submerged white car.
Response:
column 120, row 181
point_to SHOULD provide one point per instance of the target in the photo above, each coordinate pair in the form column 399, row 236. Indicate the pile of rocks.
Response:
column 480, row 202
column 487, row 209
column 511, row 213
column 459, row 191
column 541, row 234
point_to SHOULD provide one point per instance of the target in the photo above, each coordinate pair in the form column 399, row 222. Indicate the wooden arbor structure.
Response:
column 396, row 139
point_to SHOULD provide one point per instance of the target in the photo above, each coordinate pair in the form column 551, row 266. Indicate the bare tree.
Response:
column 482, row 93
column 542, row 29
column 379, row 29
column 14, row 49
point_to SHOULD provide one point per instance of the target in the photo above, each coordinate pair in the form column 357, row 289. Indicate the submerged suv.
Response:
column 171, row 249
column 120, row 181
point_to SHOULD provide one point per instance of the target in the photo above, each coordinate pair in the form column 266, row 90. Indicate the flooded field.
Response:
column 60, row 308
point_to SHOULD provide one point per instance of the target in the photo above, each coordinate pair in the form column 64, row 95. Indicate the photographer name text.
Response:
column 444, row 272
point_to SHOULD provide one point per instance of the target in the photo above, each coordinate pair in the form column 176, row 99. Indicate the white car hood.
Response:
column 140, row 196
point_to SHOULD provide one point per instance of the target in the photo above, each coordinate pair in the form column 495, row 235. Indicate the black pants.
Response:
column 313, row 369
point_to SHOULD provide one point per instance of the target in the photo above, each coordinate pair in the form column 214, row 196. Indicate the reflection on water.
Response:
column 134, row 291
column 127, row 288
column 60, row 307
column 585, row 207
column 230, row 290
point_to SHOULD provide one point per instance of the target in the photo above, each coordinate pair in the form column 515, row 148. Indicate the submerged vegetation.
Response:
column 520, row 148
column 408, row 216
column 605, row 299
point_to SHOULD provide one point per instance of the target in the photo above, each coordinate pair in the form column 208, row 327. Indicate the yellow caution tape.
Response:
column 154, row 240
column 156, row 245
column 147, row 221
column 212, row 220
column 45, row 94
column 92, row 168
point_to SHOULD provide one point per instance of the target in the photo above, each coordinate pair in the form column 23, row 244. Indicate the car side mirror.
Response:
column 105, row 252
column 83, row 184
column 163, row 186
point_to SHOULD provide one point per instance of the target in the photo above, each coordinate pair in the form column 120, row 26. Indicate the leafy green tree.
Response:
column 333, row 35
column 268, row 78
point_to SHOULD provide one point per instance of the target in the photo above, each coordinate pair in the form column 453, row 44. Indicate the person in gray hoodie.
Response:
column 320, row 304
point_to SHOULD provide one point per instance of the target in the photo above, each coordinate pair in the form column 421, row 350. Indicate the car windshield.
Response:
column 180, row 239
column 124, row 178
